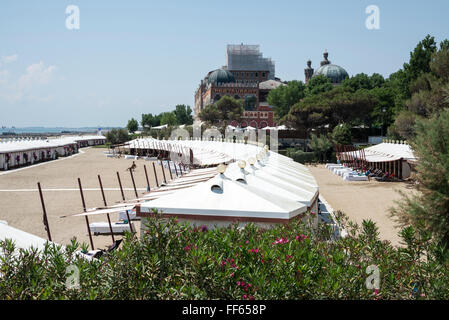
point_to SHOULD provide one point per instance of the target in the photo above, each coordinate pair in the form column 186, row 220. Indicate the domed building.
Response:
column 220, row 76
column 247, row 75
column 334, row 72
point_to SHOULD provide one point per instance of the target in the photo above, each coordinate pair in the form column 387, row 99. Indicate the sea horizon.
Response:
column 43, row 129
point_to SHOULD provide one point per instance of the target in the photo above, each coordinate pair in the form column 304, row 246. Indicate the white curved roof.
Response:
column 275, row 187
column 384, row 152
column 27, row 145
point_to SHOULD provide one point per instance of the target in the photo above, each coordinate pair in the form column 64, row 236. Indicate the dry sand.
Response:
column 20, row 203
column 362, row 200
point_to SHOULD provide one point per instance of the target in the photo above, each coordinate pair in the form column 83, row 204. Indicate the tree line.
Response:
column 418, row 90
column 181, row 115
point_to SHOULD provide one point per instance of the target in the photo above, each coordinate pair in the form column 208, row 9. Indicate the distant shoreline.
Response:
column 48, row 131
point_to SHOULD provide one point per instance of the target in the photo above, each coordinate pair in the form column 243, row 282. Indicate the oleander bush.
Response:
column 178, row 261
column 301, row 156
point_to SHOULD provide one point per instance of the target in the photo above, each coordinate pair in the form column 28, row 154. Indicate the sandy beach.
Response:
column 20, row 201
column 362, row 200
column 21, row 206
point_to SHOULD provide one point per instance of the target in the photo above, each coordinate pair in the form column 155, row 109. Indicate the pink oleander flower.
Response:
column 187, row 248
column 244, row 296
column 251, row 298
column 232, row 274
column 281, row 240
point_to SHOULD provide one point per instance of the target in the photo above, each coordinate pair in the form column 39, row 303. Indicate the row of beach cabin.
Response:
column 15, row 153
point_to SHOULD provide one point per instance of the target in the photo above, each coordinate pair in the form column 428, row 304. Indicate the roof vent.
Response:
column 217, row 185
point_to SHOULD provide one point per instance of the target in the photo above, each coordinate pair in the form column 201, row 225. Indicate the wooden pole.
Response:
column 121, row 188
column 146, row 176
column 169, row 169
column 123, row 197
column 45, row 220
column 155, row 174
column 107, row 214
column 163, row 171
column 134, row 184
column 176, row 170
column 87, row 219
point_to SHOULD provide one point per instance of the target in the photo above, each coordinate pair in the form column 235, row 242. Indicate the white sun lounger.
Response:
column 354, row 177
column 123, row 216
column 103, row 227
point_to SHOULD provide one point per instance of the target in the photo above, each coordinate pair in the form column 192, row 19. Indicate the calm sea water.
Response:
column 49, row 130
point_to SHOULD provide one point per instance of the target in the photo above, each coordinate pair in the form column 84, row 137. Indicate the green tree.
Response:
column 339, row 105
column 116, row 136
column 439, row 64
column 183, row 114
column 285, row 96
column 341, row 135
column 230, row 109
column 382, row 115
column 317, row 85
column 149, row 120
column 429, row 209
column 210, row 114
column 420, row 59
column 168, row 118
column 320, row 146
column 249, row 103
column 132, row 125
column 404, row 124
column 363, row 81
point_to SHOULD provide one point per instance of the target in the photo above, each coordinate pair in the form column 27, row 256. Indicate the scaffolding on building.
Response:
column 248, row 58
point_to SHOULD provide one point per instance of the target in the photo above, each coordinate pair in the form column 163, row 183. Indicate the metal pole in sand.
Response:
column 87, row 219
column 146, row 176
column 155, row 175
column 107, row 214
column 123, row 197
column 47, row 228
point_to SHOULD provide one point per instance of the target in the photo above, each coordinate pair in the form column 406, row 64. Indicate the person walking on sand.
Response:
column 133, row 166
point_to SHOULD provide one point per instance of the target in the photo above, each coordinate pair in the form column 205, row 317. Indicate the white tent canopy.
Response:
column 222, row 197
column 273, row 188
column 385, row 152
column 21, row 239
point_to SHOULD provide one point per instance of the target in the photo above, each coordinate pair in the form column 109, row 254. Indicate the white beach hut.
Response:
column 221, row 201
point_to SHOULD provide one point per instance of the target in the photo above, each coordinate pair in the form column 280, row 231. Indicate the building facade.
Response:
column 247, row 75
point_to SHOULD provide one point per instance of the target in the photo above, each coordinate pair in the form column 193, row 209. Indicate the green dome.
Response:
column 221, row 76
column 335, row 73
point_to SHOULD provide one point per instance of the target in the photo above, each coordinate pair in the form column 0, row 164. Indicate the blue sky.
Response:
column 133, row 57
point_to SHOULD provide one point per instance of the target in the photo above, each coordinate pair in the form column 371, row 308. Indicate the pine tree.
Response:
column 428, row 209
